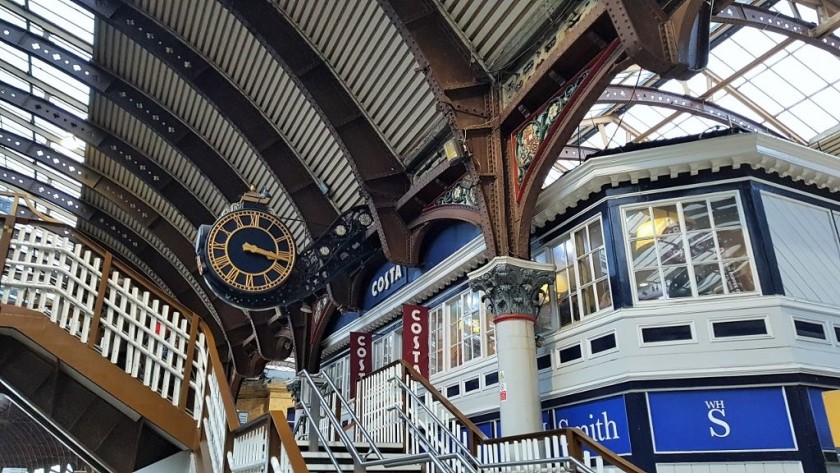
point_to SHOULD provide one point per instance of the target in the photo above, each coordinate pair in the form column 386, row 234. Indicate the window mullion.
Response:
column 687, row 250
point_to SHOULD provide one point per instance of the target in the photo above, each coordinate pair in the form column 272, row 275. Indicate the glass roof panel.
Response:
column 71, row 27
column 784, row 84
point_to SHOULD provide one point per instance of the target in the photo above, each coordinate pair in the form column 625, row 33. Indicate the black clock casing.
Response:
column 246, row 255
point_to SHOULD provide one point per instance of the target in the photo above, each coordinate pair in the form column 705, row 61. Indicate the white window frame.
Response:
column 547, row 254
column 583, row 354
column 690, row 323
column 678, row 201
column 825, row 341
column 485, row 328
column 834, row 329
column 716, row 339
column 614, row 349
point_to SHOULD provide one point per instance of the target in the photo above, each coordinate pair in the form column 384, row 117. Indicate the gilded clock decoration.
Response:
column 250, row 250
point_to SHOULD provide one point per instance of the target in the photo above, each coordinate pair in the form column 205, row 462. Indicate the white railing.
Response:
column 135, row 330
column 375, row 400
column 250, row 451
column 152, row 336
column 215, row 428
column 397, row 405
column 46, row 272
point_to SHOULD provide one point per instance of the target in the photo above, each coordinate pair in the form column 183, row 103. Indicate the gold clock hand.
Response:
column 251, row 248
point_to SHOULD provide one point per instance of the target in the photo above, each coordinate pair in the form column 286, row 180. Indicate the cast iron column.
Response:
column 513, row 288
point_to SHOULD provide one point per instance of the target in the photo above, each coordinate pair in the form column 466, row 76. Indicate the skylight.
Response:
column 63, row 23
column 789, row 87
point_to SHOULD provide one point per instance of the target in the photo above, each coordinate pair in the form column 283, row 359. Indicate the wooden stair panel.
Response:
column 99, row 419
column 119, row 448
column 25, row 369
column 71, row 402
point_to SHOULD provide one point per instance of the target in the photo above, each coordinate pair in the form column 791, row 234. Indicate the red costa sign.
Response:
column 415, row 340
column 361, row 358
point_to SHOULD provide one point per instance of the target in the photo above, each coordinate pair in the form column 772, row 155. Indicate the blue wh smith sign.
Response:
column 604, row 420
column 720, row 420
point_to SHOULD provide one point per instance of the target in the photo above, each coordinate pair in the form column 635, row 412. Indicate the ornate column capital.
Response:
column 512, row 285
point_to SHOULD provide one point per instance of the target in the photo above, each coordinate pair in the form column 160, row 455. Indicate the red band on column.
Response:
column 504, row 317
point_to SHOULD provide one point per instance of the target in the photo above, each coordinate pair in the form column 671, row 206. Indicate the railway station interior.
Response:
column 472, row 236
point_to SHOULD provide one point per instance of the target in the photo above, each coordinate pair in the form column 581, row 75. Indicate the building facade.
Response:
column 693, row 321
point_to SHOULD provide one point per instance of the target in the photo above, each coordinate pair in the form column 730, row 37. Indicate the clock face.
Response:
column 250, row 250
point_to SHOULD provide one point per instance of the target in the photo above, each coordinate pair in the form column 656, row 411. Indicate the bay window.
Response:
column 582, row 284
column 688, row 248
column 460, row 330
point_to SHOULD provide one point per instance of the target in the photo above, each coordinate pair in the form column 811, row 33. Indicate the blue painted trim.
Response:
column 764, row 253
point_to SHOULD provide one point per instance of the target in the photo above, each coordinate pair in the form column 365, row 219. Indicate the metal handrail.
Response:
column 320, row 435
column 431, row 414
column 351, row 411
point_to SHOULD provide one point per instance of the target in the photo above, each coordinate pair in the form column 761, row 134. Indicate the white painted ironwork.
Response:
column 46, row 272
column 138, row 331
column 250, row 451
column 215, row 429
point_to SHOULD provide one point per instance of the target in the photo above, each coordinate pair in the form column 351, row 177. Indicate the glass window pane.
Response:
column 648, row 286
column 732, row 244
column 666, row 219
column 725, row 212
column 702, row 247
column 585, row 270
column 677, row 281
column 643, row 253
column 671, row 249
column 604, row 297
column 708, row 279
column 596, row 237
column 589, row 304
column 581, row 242
column 739, row 276
column 638, row 221
column 561, row 285
column 559, row 253
column 600, row 264
column 696, row 216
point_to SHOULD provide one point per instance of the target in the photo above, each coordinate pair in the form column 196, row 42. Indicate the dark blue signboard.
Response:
column 604, row 420
column 720, row 420
column 820, row 418
column 385, row 281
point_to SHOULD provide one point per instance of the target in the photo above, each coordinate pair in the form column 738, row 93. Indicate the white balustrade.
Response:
column 138, row 331
column 250, row 451
column 151, row 336
column 378, row 400
column 46, row 272
column 215, row 428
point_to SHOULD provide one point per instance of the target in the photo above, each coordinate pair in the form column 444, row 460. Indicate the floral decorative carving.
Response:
column 513, row 287
column 461, row 193
column 531, row 136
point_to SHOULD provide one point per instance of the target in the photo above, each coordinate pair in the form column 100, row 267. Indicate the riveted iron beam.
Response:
column 468, row 99
column 764, row 19
column 694, row 106
column 314, row 207
column 44, row 191
column 171, row 128
column 378, row 170
column 89, row 177
column 115, row 148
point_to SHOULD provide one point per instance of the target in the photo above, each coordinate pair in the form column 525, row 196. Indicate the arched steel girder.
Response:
column 659, row 98
column 599, row 72
column 313, row 206
column 467, row 98
column 173, row 130
column 761, row 18
column 113, row 147
column 380, row 173
column 90, row 178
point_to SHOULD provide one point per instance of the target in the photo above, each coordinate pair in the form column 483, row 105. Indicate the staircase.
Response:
column 319, row 460
column 126, row 377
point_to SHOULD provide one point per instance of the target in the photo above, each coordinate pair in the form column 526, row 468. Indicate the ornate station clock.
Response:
column 247, row 254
